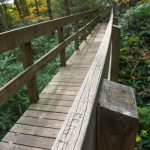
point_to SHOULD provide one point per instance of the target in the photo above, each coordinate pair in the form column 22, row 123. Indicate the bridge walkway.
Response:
column 38, row 128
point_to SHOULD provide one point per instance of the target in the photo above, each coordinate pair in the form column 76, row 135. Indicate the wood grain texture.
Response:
column 117, row 118
column 55, row 102
column 59, row 109
column 45, row 115
column 35, row 131
column 73, row 133
column 40, row 122
column 57, row 97
column 61, row 92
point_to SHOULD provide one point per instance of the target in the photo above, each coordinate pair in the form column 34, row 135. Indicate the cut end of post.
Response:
column 117, row 119
column 118, row 98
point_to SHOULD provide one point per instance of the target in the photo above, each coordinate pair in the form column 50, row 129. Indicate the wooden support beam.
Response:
column 115, row 53
column 62, row 53
column 117, row 118
column 27, row 59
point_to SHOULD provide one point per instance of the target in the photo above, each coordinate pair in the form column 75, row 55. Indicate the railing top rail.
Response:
column 13, row 38
column 76, row 127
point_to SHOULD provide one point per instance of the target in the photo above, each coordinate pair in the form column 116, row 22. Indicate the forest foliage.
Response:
column 135, row 63
column 134, row 19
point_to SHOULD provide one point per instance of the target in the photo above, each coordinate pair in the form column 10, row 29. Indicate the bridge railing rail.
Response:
column 23, row 37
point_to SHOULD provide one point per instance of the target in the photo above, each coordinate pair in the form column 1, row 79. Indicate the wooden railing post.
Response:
column 77, row 39
column 91, row 26
column 85, row 32
column 117, row 117
column 63, row 52
column 27, row 59
column 115, row 53
column 88, row 29
column 115, row 21
column 95, row 22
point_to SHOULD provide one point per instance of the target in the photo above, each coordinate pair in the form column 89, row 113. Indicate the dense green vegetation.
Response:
column 134, row 19
column 135, row 64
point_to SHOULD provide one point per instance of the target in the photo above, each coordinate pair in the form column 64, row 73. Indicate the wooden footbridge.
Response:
column 79, row 108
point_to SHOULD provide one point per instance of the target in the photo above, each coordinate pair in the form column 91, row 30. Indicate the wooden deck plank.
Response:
column 29, row 140
column 78, row 71
column 61, row 88
column 39, row 122
column 55, row 102
column 59, row 109
column 70, row 75
column 11, row 146
column 45, row 115
column 74, row 79
column 56, row 96
column 47, row 90
column 65, row 83
column 36, row 131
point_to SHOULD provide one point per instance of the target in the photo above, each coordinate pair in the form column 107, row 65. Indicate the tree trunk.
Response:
column 66, row 6
column 49, row 8
column 16, row 3
column 37, row 8
column 5, row 7
column 3, row 24
column 24, row 7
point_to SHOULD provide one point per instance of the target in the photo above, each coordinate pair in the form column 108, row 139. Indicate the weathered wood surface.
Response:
column 117, row 117
column 79, row 125
column 115, row 53
column 42, row 121
column 9, row 89
column 12, row 39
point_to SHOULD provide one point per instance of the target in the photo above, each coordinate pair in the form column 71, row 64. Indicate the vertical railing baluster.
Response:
column 62, row 53
column 27, row 59
column 77, row 39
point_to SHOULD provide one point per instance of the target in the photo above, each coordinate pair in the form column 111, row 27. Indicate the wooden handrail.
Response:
column 14, row 38
column 28, row 75
column 78, row 131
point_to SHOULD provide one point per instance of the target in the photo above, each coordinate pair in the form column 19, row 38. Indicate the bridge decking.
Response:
column 38, row 127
